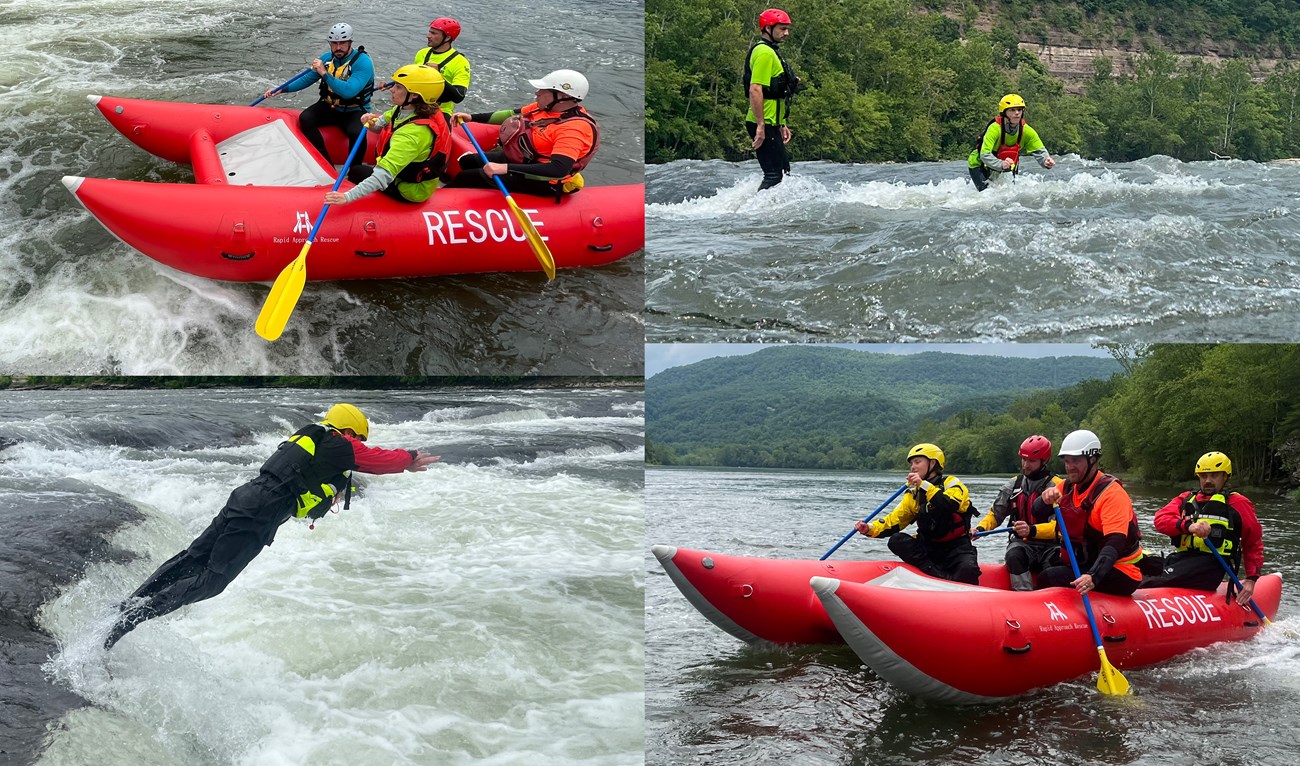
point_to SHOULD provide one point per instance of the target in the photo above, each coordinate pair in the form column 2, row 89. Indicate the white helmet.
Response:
column 1081, row 442
column 339, row 33
column 566, row 81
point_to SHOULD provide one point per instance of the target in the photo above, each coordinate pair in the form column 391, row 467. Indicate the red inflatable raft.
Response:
column 949, row 641
column 957, row 643
column 258, row 189
column 768, row 600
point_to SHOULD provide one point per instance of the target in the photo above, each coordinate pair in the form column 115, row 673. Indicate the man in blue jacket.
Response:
column 347, row 78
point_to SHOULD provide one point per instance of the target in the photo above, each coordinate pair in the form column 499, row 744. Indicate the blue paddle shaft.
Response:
column 281, row 85
column 484, row 156
column 361, row 139
column 880, row 508
column 993, row 531
column 1235, row 581
column 1069, row 550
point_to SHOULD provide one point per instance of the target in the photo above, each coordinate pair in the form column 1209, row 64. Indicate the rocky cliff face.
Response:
column 1073, row 64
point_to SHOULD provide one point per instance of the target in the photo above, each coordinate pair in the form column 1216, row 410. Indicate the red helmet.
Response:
column 1036, row 448
column 772, row 16
column 449, row 27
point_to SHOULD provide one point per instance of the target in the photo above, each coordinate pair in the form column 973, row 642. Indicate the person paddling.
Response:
column 306, row 474
column 347, row 78
column 941, row 507
column 543, row 146
column 1033, row 547
column 1100, row 521
column 1212, row 515
column 1005, row 139
column 414, row 142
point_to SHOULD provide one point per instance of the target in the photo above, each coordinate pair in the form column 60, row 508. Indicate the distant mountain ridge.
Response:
column 800, row 394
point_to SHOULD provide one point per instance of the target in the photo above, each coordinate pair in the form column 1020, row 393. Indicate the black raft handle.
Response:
column 238, row 256
column 1021, row 650
column 600, row 248
column 370, row 253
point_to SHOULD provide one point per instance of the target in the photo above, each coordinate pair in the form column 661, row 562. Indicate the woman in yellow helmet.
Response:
column 941, row 507
column 302, row 478
column 414, row 141
column 1005, row 139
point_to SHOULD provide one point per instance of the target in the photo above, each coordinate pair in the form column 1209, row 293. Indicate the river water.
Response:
column 488, row 610
column 73, row 299
column 711, row 698
column 1150, row 251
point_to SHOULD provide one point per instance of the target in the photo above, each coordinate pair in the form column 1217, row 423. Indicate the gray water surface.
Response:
column 1151, row 251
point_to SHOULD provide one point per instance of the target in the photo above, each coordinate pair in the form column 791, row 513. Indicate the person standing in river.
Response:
column 1005, row 139
column 769, row 83
column 308, row 472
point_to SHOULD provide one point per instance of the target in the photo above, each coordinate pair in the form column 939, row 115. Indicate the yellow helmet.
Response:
column 1214, row 461
column 927, row 450
column 343, row 416
column 424, row 81
column 1010, row 101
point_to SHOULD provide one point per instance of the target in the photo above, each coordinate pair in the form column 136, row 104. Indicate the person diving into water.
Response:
column 307, row 473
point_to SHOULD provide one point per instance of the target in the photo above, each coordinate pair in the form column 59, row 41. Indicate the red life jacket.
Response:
column 1004, row 152
column 436, row 163
column 1023, row 495
column 517, row 143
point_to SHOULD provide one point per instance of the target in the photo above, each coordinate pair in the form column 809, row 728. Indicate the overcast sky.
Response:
column 661, row 356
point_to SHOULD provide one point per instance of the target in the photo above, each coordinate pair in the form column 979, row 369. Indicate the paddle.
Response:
column 1237, row 582
column 288, row 286
column 540, row 249
column 852, row 532
column 992, row 531
column 281, row 85
column 1109, row 679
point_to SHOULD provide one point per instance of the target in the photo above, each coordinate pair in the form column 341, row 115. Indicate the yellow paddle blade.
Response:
column 283, row 296
column 540, row 249
column 1109, row 679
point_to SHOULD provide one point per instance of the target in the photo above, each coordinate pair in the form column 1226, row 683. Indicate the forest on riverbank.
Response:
column 1156, row 410
column 890, row 81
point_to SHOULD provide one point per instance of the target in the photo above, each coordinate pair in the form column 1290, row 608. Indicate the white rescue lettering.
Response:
column 1176, row 611
column 457, row 227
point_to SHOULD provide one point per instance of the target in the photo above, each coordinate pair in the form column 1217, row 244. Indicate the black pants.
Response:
column 980, row 176
column 320, row 114
column 472, row 177
column 1024, row 559
column 1115, row 582
column 358, row 173
column 771, row 154
column 234, row 538
column 1188, row 569
column 955, row 560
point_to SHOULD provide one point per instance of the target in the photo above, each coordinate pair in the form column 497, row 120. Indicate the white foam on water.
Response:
column 466, row 614
column 1037, row 190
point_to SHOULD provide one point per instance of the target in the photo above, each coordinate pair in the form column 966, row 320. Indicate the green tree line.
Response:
column 884, row 80
column 1172, row 404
